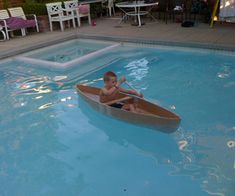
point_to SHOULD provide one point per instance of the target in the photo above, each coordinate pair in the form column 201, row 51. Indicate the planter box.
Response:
column 43, row 23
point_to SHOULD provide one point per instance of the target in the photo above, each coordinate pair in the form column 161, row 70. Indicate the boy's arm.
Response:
column 109, row 92
column 132, row 92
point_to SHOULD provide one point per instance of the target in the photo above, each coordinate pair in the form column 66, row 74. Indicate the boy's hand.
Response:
column 123, row 79
column 140, row 95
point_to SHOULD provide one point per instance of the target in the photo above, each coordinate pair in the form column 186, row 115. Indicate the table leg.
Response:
column 138, row 15
column 122, row 19
column 149, row 13
column 125, row 15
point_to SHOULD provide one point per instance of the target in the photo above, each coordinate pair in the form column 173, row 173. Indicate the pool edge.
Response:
column 160, row 42
column 215, row 47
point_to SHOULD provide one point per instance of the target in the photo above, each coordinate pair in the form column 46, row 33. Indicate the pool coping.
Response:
column 150, row 42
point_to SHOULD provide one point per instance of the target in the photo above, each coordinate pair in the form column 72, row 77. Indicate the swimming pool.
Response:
column 52, row 143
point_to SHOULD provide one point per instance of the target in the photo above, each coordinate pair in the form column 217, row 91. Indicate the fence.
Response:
column 10, row 3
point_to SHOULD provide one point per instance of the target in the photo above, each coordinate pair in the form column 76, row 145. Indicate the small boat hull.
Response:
column 153, row 116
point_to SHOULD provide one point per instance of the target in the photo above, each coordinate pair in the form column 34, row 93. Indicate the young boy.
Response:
column 111, row 90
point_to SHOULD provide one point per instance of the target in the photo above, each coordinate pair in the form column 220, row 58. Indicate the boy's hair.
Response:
column 108, row 75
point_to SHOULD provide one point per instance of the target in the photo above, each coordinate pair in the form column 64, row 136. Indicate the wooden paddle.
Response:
column 130, row 86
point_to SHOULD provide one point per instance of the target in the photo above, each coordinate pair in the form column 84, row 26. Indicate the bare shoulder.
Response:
column 103, row 91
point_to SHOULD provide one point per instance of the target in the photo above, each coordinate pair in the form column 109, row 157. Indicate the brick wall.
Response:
column 11, row 3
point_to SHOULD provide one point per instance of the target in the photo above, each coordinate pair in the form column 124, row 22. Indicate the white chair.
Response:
column 109, row 5
column 19, row 12
column 77, row 9
column 84, row 11
column 56, row 14
column 3, row 17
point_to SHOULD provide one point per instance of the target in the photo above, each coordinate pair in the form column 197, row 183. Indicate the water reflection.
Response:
column 206, row 159
column 225, row 71
column 160, row 146
column 28, row 137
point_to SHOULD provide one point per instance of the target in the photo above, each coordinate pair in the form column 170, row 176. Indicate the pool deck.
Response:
column 219, row 37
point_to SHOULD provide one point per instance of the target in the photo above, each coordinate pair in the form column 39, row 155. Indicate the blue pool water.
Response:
column 53, row 143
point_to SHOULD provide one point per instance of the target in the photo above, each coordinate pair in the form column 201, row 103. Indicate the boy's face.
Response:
column 111, row 82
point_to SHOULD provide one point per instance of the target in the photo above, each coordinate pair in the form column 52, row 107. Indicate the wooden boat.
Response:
column 149, row 115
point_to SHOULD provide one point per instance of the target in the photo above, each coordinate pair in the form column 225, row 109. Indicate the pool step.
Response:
column 66, row 65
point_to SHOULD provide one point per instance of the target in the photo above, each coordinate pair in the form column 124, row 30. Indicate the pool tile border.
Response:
column 139, row 41
column 159, row 42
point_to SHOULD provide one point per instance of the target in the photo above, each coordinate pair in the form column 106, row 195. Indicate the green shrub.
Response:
column 38, row 9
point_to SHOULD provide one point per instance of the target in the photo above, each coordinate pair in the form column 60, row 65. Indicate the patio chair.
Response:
column 79, row 10
column 109, row 5
column 84, row 11
column 19, row 12
column 171, row 10
column 11, row 24
column 56, row 14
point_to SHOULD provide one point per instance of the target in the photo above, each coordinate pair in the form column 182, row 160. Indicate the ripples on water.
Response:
column 200, row 152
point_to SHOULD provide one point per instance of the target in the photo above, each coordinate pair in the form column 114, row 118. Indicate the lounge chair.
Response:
column 56, row 14
column 31, row 19
column 11, row 24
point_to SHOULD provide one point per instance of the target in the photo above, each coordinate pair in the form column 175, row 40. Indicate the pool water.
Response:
column 53, row 143
column 69, row 50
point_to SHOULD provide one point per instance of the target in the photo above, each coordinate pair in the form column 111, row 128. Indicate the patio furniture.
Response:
column 173, row 8
column 109, row 5
column 11, row 24
column 79, row 10
column 19, row 12
column 3, row 33
column 136, row 7
column 56, row 14
column 84, row 11
column 88, row 2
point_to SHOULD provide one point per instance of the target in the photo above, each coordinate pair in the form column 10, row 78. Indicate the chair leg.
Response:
column 7, row 32
column 89, row 18
column 110, row 11
column 61, row 26
column 7, row 35
column 37, row 28
column 51, row 28
column 79, row 21
column 113, row 11
column 23, row 33
column 74, row 25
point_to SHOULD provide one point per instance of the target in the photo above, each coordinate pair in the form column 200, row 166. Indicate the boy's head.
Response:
column 110, row 78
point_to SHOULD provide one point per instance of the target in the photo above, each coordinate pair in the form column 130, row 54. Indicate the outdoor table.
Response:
column 3, row 33
column 136, row 6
